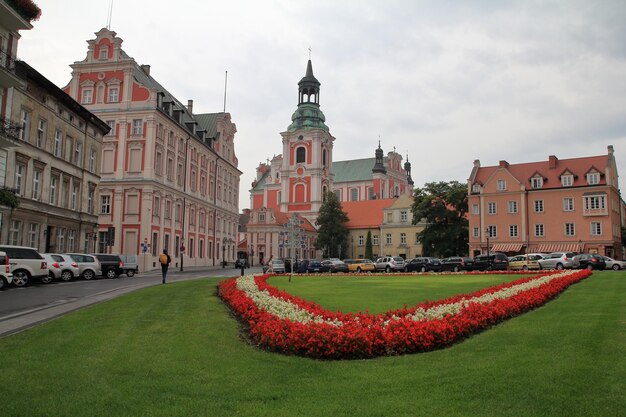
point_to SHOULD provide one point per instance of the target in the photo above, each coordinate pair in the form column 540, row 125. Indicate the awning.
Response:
column 557, row 247
column 506, row 247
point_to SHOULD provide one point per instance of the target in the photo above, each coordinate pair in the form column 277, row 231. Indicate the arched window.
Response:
column 301, row 155
column 324, row 157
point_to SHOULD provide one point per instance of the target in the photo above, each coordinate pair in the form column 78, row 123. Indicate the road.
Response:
column 22, row 308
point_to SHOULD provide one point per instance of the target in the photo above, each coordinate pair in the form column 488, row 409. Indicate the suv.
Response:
column 88, row 266
column 457, row 263
column 493, row 261
column 26, row 264
column 423, row 265
column 6, row 277
column 557, row 260
column 390, row 263
column 130, row 266
column 112, row 265
column 588, row 261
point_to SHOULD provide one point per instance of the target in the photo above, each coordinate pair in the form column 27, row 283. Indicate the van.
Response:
column 26, row 264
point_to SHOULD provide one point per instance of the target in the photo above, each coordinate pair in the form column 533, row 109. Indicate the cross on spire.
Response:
column 309, row 53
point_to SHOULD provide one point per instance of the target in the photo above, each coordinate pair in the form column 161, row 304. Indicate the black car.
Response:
column 335, row 265
column 588, row 261
column 492, row 262
column 423, row 265
column 457, row 263
column 308, row 266
column 242, row 261
column 112, row 265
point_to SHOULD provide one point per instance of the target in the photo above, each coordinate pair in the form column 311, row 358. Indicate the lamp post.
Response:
column 95, row 238
column 251, row 251
column 580, row 246
column 487, row 232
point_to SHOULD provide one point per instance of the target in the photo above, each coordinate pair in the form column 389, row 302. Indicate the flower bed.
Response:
column 284, row 323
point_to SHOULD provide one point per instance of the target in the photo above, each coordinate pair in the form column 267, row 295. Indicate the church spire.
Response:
column 309, row 87
column 407, row 168
column 308, row 114
column 379, row 165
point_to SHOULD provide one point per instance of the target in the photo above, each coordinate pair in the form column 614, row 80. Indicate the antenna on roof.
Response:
column 225, row 84
column 110, row 15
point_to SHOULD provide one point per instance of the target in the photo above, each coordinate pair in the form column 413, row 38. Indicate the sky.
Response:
column 446, row 82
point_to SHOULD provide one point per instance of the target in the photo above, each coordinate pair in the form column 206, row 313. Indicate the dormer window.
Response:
column 536, row 182
column 501, row 185
column 104, row 53
column 476, row 188
column 567, row 180
column 593, row 178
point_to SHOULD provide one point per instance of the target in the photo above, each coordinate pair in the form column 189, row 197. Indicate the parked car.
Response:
column 525, row 262
column 614, row 264
column 61, row 266
column 588, row 261
column 130, row 265
column 26, row 264
column 112, row 265
column 360, row 265
column 308, row 266
column 390, row 263
column 557, row 260
column 242, row 261
column 88, row 265
column 276, row 266
column 335, row 265
column 457, row 263
column 6, row 277
column 423, row 264
column 491, row 262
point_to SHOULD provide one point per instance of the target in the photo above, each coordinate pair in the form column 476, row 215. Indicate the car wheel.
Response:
column 3, row 283
column 21, row 278
column 66, row 276
column 456, row 269
column 47, row 279
column 88, row 274
column 616, row 267
column 387, row 269
column 590, row 267
column 359, row 270
column 111, row 274
column 423, row 269
column 130, row 273
column 525, row 268
column 559, row 266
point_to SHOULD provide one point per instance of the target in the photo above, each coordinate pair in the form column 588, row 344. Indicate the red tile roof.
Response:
column 365, row 214
column 283, row 218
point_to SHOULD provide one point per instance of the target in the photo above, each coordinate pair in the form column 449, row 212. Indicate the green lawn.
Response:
column 174, row 350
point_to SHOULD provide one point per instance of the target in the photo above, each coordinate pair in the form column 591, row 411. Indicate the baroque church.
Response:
column 295, row 181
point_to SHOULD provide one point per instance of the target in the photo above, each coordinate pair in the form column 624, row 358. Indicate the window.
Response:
column 370, row 193
column 513, row 230
column 569, row 229
column 156, row 207
column 192, row 217
column 54, row 182
column 388, row 238
column 512, row 206
column 492, row 231
column 111, row 124
column 389, row 217
column 361, row 240
column 113, row 94
column 354, row 194
column 90, row 197
column 403, row 238
column 568, row 204
column 168, row 209
column 261, row 218
column 58, row 144
column 87, row 96
column 24, row 124
column 374, row 239
column 105, row 204
column 537, row 182
column 33, row 234
column 137, row 127
column 475, row 232
column 74, row 197
column 596, row 228
column 37, row 177
column 15, row 232
column 301, row 155
column 501, row 185
column 71, row 239
column 324, row 157
column 20, row 176
column 539, row 230
column 177, row 212
column 158, row 163
column 593, row 178
column 42, row 128
column 491, row 208
column 403, row 216
column 169, row 169
column 567, row 180
column 476, row 188
column 338, row 194
column 78, row 154
column 538, row 206
column 596, row 202
column 104, row 53
column 475, row 209
column 92, row 161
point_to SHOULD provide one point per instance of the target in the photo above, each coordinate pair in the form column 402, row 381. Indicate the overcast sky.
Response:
column 446, row 81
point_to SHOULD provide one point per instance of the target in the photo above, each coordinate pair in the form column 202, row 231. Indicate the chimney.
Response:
column 610, row 149
column 476, row 163
column 504, row 164
column 552, row 160
column 190, row 106
column 146, row 69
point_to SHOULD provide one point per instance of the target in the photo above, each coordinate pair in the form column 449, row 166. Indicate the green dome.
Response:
column 308, row 116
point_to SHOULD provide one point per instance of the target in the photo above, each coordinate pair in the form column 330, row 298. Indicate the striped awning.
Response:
column 555, row 247
column 506, row 247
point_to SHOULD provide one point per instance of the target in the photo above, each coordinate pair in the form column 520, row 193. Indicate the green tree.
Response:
column 369, row 254
column 332, row 235
column 443, row 206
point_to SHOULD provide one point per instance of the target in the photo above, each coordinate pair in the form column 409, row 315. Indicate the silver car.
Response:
column 614, row 264
column 558, row 260
column 89, row 265
column 277, row 266
column 62, row 266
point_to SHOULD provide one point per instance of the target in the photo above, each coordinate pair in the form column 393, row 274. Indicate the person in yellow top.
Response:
column 165, row 261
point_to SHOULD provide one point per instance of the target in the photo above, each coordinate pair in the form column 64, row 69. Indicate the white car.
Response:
column 6, row 277
column 614, row 264
column 62, row 266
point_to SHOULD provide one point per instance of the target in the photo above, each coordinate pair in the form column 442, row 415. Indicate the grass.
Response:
column 174, row 350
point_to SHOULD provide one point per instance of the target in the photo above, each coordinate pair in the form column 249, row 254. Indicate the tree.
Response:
column 332, row 235
column 368, row 246
column 443, row 206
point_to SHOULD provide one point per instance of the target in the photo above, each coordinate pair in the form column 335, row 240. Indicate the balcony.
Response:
column 8, row 77
column 9, row 133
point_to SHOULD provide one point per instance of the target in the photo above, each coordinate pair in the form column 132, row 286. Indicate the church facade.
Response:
column 294, row 182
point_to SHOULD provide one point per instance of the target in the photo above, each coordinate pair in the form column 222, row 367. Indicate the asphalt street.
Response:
column 22, row 308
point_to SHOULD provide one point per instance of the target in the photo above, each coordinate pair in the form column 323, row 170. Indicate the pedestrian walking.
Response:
column 165, row 261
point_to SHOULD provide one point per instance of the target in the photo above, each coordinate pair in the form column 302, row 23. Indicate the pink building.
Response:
column 554, row 205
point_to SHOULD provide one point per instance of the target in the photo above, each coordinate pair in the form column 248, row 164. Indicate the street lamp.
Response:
column 580, row 246
column 487, row 233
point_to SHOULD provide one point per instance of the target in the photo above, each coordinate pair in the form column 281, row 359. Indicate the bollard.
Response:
column 242, row 268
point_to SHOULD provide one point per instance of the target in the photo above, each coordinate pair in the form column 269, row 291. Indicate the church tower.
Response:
column 306, row 171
